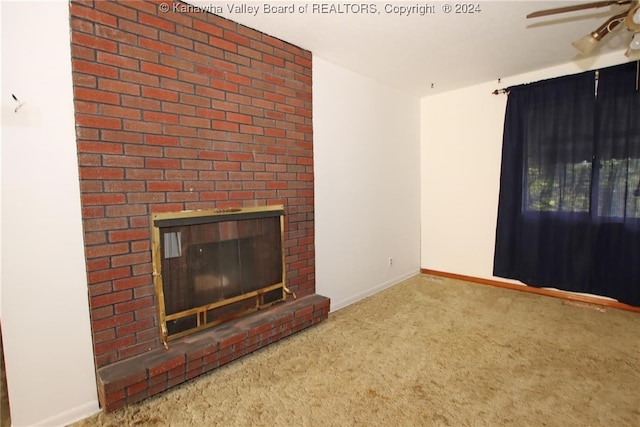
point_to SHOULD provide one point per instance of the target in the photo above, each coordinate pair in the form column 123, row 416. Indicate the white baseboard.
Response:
column 362, row 295
column 70, row 416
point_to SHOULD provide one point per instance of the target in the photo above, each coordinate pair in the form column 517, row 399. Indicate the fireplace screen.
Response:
column 213, row 266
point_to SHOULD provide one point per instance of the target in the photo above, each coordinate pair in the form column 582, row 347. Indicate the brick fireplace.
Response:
column 184, row 110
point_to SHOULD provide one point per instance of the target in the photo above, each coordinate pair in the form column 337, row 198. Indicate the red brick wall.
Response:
column 179, row 111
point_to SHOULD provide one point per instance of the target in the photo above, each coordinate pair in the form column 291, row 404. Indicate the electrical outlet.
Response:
column 390, row 261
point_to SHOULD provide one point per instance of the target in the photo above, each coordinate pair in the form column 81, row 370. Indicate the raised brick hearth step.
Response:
column 139, row 377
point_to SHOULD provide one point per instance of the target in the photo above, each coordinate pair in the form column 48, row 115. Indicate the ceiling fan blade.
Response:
column 574, row 8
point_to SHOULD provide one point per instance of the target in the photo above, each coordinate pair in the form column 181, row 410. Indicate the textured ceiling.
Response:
column 425, row 54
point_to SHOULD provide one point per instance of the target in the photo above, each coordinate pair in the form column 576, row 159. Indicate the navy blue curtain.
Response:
column 569, row 205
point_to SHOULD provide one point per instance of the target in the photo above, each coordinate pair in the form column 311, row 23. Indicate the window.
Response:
column 569, row 205
column 567, row 170
column 558, row 159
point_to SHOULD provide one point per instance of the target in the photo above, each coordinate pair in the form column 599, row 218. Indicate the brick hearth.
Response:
column 137, row 378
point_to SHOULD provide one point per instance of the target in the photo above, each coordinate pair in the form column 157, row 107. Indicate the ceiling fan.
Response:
column 629, row 18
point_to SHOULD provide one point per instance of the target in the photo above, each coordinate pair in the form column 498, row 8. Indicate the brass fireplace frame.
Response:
column 201, row 217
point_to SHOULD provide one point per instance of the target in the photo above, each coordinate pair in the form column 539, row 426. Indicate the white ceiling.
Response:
column 446, row 50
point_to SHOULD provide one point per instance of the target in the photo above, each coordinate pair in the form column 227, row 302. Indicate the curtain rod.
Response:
column 501, row 91
column 597, row 77
column 506, row 91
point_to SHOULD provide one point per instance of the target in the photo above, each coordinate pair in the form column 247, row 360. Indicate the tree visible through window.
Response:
column 565, row 174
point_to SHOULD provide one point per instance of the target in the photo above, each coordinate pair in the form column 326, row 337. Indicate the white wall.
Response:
column 367, row 184
column 45, row 312
column 461, row 156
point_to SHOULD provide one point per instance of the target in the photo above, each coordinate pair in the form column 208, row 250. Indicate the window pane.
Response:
column 559, row 188
column 633, row 193
column 619, row 188
column 558, row 158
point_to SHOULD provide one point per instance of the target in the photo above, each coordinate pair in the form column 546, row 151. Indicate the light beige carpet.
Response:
column 426, row 352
